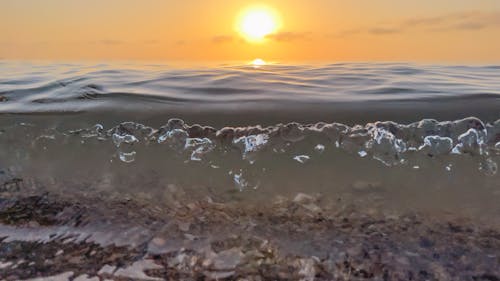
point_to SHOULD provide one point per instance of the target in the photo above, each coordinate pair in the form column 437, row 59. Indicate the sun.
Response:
column 255, row 23
column 258, row 62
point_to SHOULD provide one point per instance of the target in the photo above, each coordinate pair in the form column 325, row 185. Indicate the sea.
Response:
column 104, row 153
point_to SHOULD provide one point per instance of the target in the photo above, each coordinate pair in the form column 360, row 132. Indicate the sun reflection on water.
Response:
column 258, row 62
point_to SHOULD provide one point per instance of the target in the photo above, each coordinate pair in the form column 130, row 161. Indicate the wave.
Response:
column 387, row 142
column 30, row 88
column 246, row 153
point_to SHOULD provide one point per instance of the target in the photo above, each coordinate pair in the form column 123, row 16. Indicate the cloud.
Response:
column 347, row 32
column 151, row 42
column 464, row 21
column 107, row 42
column 288, row 36
column 220, row 39
column 383, row 30
column 110, row 42
column 422, row 21
column 458, row 21
column 470, row 25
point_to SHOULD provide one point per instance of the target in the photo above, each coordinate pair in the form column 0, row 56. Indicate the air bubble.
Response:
column 127, row 157
column 436, row 145
column 199, row 147
column 251, row 144
column 302, row 158
column 128, row 139
column 242, row 182
column 319, row 148
column 448, row 167
column 488, row 167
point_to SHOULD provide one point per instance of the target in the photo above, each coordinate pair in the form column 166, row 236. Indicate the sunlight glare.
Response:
column 257, row 22
column 258, row 62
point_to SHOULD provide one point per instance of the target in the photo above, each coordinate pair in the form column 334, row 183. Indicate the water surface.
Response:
column 150, row 164
column 247, row 95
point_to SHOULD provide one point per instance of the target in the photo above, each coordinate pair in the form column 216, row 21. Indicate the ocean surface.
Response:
column 383, row 137
column 232, row 94
column 240, row 126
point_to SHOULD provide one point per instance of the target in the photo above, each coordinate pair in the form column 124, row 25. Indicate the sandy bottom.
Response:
column 301, row 237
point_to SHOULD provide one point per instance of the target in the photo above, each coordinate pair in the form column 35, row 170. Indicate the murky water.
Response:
column 151, row 159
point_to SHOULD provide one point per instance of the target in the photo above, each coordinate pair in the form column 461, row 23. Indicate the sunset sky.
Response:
column 194, row 30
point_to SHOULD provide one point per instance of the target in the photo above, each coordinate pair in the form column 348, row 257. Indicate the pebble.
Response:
column 219, row 275
column 85, row 277
column 302, row 198
column 184, row 226
column 158, row 241
column 227, row 260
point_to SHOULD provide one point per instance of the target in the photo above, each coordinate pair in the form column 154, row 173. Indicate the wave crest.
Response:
column 388, row 142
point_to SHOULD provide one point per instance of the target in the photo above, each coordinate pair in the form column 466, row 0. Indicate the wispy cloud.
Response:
column 469, row 25
column 464, row 21
column 220, row 39
column 413, row 22
column 180, row 42
column 468, row 21
column 383, row 30
column 151, row 42
column 347, row 32
column 110, row 42
column 288, row 36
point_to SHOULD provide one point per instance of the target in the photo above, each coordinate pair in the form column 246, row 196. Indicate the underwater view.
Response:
column 147, row 171
column 249, row 141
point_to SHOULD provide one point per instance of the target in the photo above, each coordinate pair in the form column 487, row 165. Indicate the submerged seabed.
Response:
column 271, row 173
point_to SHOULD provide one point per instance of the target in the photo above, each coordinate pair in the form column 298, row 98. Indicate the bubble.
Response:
column 385, row 147
column 252, row 143
column 241, row 181
column 198, row 153
column 199, row 147
column 319, row 148
column 448, row 167
column 95, row 131
column 136, row 130
column 488, row 167
column 175, row 138
column 292, row 132
column 127, row 157
column 119, row 139
column 196, row 142
column 301, row 158
column 436, row 145
column 469, row 142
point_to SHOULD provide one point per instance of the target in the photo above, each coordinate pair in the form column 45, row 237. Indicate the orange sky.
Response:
column 193, row 30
